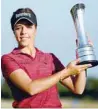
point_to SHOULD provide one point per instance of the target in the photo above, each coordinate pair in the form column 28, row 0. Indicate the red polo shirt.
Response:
column 43, row 65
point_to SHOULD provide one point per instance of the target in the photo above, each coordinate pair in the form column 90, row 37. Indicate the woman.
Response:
column 31, row 74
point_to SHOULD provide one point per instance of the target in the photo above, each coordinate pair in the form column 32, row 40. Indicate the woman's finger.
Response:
column 84, row 66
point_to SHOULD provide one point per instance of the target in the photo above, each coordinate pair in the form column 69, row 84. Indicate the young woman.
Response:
column 31, row 74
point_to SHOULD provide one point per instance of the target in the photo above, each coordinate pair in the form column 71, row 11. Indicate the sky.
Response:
column 56, row 32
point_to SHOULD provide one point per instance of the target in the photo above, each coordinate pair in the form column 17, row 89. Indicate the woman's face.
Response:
column 25, row 33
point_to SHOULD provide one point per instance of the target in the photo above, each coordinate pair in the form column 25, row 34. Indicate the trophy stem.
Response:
column 77, row 15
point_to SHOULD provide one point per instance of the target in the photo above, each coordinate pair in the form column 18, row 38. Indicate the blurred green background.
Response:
column 89, row 99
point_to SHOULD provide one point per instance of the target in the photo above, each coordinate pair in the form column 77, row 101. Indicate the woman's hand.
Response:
column 74, row 69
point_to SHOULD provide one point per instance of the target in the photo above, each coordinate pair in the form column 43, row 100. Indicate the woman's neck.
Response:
column 29, row 50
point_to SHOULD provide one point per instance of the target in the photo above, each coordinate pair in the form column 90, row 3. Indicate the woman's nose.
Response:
column 24, row 30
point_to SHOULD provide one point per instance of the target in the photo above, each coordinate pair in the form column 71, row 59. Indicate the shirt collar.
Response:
column 18, row 50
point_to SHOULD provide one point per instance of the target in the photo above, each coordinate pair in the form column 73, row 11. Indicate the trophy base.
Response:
column 87, row 56
column 92, row 62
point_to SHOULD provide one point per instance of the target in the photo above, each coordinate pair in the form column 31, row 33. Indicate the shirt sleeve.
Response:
column 57, row 63
column 8, row 65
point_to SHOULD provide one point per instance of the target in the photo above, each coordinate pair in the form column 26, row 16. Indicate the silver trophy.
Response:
column 85, row 50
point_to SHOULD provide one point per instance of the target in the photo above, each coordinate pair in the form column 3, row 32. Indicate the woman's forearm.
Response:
column 80, row 82
column 39, row 85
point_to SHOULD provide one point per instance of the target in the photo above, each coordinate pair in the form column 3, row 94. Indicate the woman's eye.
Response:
column 17, row 28
column 28, row 26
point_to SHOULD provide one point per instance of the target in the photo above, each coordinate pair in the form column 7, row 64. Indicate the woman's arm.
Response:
column 75, row 83
column 22, row 80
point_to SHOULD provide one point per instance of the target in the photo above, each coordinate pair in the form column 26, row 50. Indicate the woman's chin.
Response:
column 24, row 44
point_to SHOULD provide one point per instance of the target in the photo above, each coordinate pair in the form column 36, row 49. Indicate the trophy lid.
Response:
column 74, row 10
column 76, row 7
